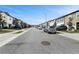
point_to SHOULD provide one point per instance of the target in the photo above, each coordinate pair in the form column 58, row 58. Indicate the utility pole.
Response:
column 46, row 19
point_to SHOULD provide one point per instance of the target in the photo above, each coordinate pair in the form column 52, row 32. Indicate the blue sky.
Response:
column 36, row 14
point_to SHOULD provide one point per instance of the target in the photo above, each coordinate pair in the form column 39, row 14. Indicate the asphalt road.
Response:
column 37, row 42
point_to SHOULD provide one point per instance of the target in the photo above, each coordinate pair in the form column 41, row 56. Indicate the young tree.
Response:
column 70, row 24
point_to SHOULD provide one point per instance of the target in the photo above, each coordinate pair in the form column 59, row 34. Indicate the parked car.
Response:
column 39, row 28
column 61, row 28
column 51, row 30
column 45, row 30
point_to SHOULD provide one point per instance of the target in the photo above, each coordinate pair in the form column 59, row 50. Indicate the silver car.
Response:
column 51, row 30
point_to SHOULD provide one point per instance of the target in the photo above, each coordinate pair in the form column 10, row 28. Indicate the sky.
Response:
column 36, row 14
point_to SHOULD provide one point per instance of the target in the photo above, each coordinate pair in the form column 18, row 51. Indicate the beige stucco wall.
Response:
column 75, row 19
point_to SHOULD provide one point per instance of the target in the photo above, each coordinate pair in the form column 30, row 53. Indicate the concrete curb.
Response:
column 74, row 36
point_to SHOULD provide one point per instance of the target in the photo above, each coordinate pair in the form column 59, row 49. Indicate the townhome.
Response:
column 6, row 20
column 63, row 20
column 17, row 23
column 44, row 25
column 59, row 21
column 73, row 17
column 51, row 23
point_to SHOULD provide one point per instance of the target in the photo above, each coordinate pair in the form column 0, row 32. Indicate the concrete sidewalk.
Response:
column 74, row 36
column 7, row 37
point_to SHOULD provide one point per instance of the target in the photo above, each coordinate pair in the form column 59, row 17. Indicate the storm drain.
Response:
column 45, row 43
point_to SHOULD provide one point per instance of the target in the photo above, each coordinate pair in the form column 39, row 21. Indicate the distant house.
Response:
column 19, row 24
column 51, row 22
column 43, row 25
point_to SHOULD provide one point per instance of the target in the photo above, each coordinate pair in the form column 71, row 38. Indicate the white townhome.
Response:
column 51, row 22
column 7, row 20
column 60, row 21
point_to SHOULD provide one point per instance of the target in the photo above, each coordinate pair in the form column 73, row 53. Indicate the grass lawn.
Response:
column 5, row 31
column 18, row 32
column 77, row 31
column 10, row 30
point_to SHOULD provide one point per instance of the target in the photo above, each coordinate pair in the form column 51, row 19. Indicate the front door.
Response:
column 77, row 25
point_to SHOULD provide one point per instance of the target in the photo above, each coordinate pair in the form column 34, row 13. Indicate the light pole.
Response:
column 46, row 19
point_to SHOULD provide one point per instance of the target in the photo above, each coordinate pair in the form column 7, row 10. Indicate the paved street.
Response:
column 31, row 43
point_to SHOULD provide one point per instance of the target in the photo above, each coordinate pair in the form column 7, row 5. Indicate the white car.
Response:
column 39, row 28
column 51, row 30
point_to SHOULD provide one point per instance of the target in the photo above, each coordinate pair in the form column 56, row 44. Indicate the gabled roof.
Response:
column 6, row 13
column 67, row 14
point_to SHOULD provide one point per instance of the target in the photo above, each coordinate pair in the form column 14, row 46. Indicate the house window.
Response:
column 61, row 20
column 10, row 19
column 77, row 15
column 4, row 16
